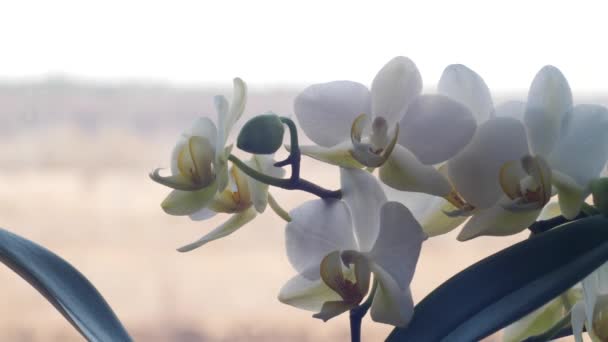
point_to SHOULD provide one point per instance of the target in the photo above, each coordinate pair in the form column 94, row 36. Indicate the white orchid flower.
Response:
column 200, row 174
column 199, row 160
column 592, row 311
column 506, row 180
column 335, row 246
column 244, row 198
column 392, row 127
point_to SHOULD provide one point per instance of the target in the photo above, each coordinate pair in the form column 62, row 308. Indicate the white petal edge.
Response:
column 306, row 294
column 403, row 171
column 390, row 305
column 497, row 221
column 364, row 197
column 474, row 172
column 317, row 228
column 326, row 111
column 464, row 85
column 395, row 86
column 435, row 128
column 549, row 99
column 234, row 223
column 399, row 242
column 582, row 150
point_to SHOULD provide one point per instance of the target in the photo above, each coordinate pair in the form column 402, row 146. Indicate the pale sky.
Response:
column 300, row 42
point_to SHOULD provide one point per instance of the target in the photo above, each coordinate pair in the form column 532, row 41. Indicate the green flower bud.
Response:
column 261, row 135
column 599, row 190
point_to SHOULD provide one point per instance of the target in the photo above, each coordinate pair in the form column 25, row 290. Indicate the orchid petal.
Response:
column 512, row 109
column 176, row 181
column 550, row 210
column 498, row 221
column 435, row 128
column 582, row 150
column 391, row 305
column 570, row 194
column 399, row 243
column 465, row 86
column 403, row 171
column 203, row 127
column 228, row 114
column 307, row 294
column 259, row 190
column 428, row 210
column 234, row 223
column 317, row 228
column 202, row 214
column 326, row 111
column 364, row 197
column 181, row 203
column 330, row 310
column 339, row 154
column 475, row 171
column 394, row 88
column 549, row 99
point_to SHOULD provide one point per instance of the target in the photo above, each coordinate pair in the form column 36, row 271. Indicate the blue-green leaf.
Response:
column 62, row 285
column 504, row 287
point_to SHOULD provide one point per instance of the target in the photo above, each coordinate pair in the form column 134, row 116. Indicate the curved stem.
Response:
column 289, row 184
column 294, row 154
column 357, row 314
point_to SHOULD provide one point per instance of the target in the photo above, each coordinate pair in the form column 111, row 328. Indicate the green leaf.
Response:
column 504, row 287
column 261, row 135
column 64, row 287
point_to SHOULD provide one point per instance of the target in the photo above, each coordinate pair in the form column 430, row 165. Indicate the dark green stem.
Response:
column 294, row 182
column 289, row 184
column 294, row 154
column 357, row 314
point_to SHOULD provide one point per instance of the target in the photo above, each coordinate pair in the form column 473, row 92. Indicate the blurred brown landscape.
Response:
column 74, row 163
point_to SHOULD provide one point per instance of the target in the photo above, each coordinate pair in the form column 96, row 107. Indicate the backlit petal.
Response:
column 259, row 190
column 436, row 127
column 498, row 221
column 464, row 85
column 399, row 242
column 317, row 228
column 235, row 222
column 188, row 202
column 394, row 88
column 475, row 171
column 364, row 197
column 333, row 309
column 570, row 194
column 338, row 155
column 428, row 210
column 307, row 294
column 549, row 99
column 391, row 305
column 582, row 150
column 326, row 111
column 403, row 171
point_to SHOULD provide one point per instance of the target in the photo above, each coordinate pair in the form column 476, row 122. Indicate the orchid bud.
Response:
column 261, row 135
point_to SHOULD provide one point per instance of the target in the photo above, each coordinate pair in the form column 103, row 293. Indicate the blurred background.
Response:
column 93, row 95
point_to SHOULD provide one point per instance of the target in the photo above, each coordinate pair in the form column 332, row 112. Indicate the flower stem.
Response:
column 289, row 184
column 294, row 182
column 357, row 314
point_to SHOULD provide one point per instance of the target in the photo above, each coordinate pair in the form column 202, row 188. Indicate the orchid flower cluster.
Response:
column 491, row 170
